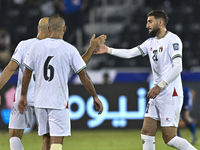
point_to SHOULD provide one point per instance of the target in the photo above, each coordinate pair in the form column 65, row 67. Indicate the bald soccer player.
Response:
column 19, row 122
column 51, row 91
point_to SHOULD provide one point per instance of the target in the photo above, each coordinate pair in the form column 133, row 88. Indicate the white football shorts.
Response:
column 56, row 122
column 167, row 111
column 18, row 121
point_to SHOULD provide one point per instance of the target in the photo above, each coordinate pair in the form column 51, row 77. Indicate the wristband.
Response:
column 162, row 84
column 109, row 50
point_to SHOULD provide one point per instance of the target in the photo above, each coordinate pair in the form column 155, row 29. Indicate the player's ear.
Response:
column 161, row 22
column 64, row 28
column 48, row 29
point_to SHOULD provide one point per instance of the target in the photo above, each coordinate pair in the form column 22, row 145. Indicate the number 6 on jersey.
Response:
column 48, row 67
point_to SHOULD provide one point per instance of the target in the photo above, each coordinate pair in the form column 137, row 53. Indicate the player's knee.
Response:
column 144, row 131
column 167, row 137
column 46, row 138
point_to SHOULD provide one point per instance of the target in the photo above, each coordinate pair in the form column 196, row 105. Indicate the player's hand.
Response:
column 154, row 92
column 98, row 105
column 22, row 104
column 96, row 42
column 101, row 49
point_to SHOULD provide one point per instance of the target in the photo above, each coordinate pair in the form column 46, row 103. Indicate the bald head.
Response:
column 43, row 28
column 56, row 22
column 43, row 23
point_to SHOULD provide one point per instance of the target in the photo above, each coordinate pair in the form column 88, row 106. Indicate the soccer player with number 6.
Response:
column 18, row 123
column 51, row 60
column 164, row 49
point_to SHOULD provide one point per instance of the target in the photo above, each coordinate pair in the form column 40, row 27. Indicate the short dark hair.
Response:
column 159, row 14
column 56, row 21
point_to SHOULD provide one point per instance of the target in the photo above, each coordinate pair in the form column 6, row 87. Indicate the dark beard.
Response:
column 154, row 32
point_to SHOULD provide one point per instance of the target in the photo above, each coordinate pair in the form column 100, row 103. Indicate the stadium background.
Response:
column 124, row 23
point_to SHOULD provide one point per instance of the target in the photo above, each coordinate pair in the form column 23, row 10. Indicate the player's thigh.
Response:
column 59, row 122
column 151, row 121
column 16, row 133
column 150, row 126
column 168, row 133
column 169, row 111
column 42, row 119
column 57, row 139
column 18, row 121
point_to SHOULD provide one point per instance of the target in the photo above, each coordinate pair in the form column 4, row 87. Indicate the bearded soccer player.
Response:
column 166, row 97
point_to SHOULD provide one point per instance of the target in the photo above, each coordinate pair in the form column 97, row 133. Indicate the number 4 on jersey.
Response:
column 48, row 67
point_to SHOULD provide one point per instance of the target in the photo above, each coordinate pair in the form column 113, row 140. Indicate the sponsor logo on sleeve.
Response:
column 176, row 46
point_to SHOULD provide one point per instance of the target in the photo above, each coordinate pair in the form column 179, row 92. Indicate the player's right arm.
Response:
column 123, row 53
column 13, row 64
column 22, row 104
column 28, row 63
column 7, row 73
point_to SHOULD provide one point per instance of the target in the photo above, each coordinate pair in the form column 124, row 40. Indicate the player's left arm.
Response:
column 94, row 43
column 85, row 79
column 175, row 52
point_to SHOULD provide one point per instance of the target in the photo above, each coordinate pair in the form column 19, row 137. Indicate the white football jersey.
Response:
column 161, row 53
column 52, row 59
column 19, row 55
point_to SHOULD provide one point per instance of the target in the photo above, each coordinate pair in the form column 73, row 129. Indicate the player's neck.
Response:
column 42, row 35
column 162, row 33
column 56, row 35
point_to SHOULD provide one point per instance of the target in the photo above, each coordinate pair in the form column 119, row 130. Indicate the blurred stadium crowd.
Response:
column 124, row 22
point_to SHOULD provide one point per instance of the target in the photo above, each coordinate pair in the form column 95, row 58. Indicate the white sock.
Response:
column 181, row 144
column 56, row 147
column 148, row 142
column 15, row 144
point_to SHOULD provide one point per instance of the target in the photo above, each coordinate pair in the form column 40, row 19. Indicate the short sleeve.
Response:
column 18, row 54
column 175, row 47
column 144, row 47
column 29, row 59
column 77, row 63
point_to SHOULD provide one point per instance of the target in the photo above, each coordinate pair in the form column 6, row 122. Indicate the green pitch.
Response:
column 121, row 139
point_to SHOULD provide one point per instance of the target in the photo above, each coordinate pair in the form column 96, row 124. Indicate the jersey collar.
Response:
column 165, row 34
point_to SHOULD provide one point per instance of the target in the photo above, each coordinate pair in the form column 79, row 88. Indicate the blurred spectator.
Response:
column 106, row 78
column 5, row 42
column 47, row 8
column 74, row 13
column 19, row 2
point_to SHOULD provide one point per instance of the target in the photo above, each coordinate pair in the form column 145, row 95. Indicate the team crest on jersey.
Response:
column 161, row 49
column 176, row 46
